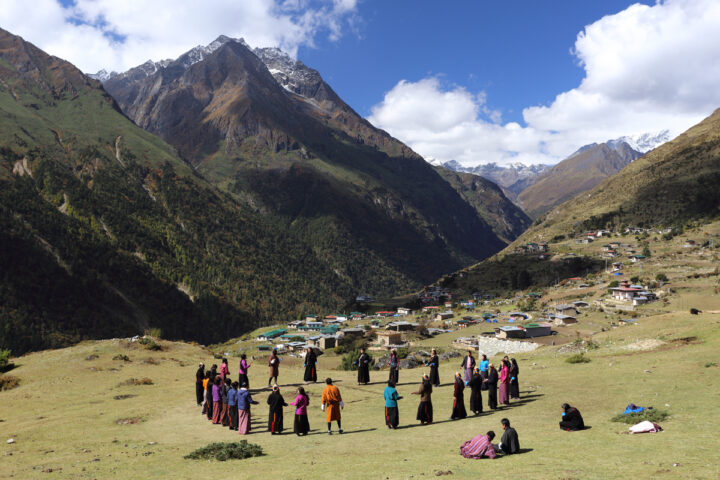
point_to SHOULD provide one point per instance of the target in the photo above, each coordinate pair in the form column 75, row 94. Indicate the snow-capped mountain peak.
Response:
column 643, row 142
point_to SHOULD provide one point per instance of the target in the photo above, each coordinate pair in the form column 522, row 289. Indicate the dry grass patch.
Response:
column 8, row 382
column 136, row 381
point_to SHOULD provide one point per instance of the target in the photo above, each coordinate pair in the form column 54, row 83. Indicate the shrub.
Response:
column 635, row 279
column 122, row 357
column 403, row 353
column 154, row 332
column 613, row 284
column 577, row 358
column 348, row 360
column 149, row 343
column 137, row 381
column 661, row 277
column 8, row 382
column 226, row 451
column 4, row 359
column 650, row 414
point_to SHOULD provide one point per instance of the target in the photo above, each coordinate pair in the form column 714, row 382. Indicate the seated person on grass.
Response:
column 509, row 443
column 571, row 418
column 479, row 447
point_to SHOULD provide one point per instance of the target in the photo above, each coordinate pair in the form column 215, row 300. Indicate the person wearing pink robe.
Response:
column 504, row 394
column 479, row 447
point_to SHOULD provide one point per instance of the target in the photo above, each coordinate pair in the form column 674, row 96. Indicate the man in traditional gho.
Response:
column 509, row 443
column 425, row 409
column 468, row 365
column 331, row 402
column 458, row 410
column 275, row 414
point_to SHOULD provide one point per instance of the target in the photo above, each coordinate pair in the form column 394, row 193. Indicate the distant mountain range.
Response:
column 538, row 188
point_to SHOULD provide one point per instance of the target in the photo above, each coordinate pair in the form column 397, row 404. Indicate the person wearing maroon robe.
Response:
column 458, row 410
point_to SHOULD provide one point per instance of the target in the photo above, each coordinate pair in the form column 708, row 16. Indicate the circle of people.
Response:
column 228, row 403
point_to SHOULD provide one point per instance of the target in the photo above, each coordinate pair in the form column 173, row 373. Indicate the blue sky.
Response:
column 518, row 52
column 476, row 81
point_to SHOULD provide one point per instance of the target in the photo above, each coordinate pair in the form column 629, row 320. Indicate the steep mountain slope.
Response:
column 273, row 134
column 506, row 218
column 579, row 172
column 105, row 231
column 672, row 184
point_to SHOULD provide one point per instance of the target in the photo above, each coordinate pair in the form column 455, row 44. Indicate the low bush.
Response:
column 122, row 357
column 222, row 451
column 137, row 381
column 149, row 343
column 349, row 359
column 8, row 382
column 4, row 359
column 577, row 358
column 650, row 414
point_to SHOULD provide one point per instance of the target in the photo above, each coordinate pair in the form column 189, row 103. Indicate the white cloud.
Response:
column 120, row 34
column 647, row 68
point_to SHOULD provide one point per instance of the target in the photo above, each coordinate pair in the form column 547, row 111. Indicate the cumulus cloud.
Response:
column 647, row 68
column 120, row 34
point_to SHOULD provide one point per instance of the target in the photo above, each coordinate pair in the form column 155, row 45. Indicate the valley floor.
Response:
column 71, row 417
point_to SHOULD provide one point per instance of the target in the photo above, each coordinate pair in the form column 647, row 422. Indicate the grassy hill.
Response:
column 671, row 185
column 667, row 360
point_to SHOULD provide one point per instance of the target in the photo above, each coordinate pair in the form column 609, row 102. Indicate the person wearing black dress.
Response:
column 458, row 410
column 310, row 366
column 434, row 364
column 491, row 381
column 275, row 416
column 514, row 385
column 425, row 409
column 363, row 364
column 475, row 396
column 571, row 419
column 199, row 390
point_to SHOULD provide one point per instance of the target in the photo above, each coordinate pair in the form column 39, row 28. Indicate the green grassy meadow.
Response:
column 63, row 416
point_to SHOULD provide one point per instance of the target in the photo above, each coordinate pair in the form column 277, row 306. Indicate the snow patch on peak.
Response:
column 102, row 75
column 643, row 142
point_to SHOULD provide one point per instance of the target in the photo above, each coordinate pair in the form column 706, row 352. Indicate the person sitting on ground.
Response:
column 509, row 443
column 479, row 447
column 571, row 419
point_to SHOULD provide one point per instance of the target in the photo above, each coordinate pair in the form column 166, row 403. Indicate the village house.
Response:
column 311, row 318
column 385, row 313
column 295, row 324
column 561, row 320
column 352, row 332
column 324, row 342
column 565, row 308
column 404, row 311
column 401, row 326
column 388, row 338
column 637, row 258
column 509, row 332
column 311, row 325
column 537, row 329
column 580, row 304
column 270, row 335
column 440, row 316
column 689, row 244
